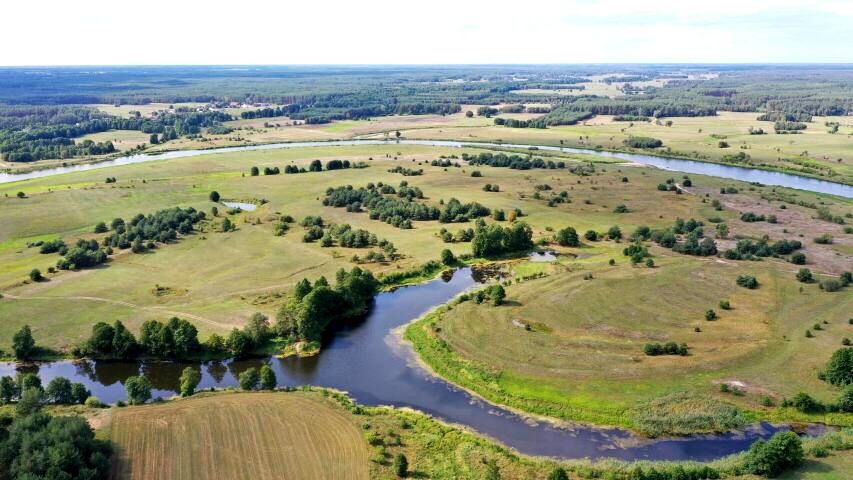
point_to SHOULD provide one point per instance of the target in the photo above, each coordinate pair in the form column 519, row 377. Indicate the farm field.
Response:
column 236, row 436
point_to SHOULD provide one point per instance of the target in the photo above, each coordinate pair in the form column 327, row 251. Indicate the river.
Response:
column 765, row 177
column 370, row 361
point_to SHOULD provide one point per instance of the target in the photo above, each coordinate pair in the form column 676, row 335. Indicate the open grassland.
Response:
column 582, row 358
column 218, row 280
column 251, row 436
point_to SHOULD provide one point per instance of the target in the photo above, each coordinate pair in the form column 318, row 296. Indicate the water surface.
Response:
column 369, row 361
column 674, row 164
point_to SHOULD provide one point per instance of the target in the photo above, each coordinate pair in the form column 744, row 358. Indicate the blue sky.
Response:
column 53, row 32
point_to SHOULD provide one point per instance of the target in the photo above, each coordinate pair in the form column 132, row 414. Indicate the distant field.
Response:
column 144, row 110
column 122, row 139
column 238, row 436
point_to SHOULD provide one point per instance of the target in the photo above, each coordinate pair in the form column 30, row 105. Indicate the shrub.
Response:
column 568, row 237
column 831, row 285
column 214, row 196
column 798, row 258
column 401, row 465
column 824, row 239
column 447, row 257
column 782, row 452
column 805, row 275
column 725, row 305
column 747, row 281
column 591, row 235
column 35, row 275
column 249, row 379
column 710, row 315
column 806, row 403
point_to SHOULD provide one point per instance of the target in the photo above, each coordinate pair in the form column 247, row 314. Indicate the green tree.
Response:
column 8, row 389
column 615, row 233
column 447, row 257
column 23, row 343
column 138, row 390
column 267, row 378
column 255, row 172
column 59, row 391
column 805, row 275
column 401, row 465
column 101, row 227
column 845, row 401
column 35, row 275
column 153, row 139
column 239, row 344
column 30, row 401
column 214, row 196
column 249, row 379
column 568, row 237
column 497, row 294
column 190, row 378
column 782, row 452
column 839, row 369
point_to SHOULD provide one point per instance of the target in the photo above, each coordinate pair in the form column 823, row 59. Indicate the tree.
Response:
column 558, row 473
column 782, row 452
column 591, row 235
column 59, row 391
column 267, row 378
column 722, row 230
column 249, row 379
column 8, row 389
column 839, row 369
column 23, row 343
column 35, row 275
column 401, row 465
column 568, row 237
column 845, row 401
column 805, row 275
column 615, row 233
column 154, row 140
column 190, row 378
column 447, row 257
column 214, row 196
column 101, row 227
column 255, row 172
column 62, row 447
column 138, row 390
column 238, row 343
column 469, row 114
column 798, row 258
column 227, row 225
column 79, row 393
column 30, row 401
column 497, row 294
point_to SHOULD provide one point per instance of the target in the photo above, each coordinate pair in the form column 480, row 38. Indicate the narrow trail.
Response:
column 125, row 304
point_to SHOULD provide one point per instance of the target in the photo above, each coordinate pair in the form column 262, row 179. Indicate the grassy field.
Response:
column 219, row 279
column 237, row 436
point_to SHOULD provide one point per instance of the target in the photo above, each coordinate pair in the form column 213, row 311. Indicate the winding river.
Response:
column 765, row 177
column 370, row 361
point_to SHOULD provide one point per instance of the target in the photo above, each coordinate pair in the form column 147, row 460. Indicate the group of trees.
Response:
column 747, row 249
column 38, row 445
column 174, row 340
column 692, row 232
column 59, row 391
column 382, row 205
column 314, row 308
column 783, row 126
column 406, row 172
column 494, row 240
column 642, row 142
column 45, row 137
column 669, row 348
column 513, row 161
column 163, row 226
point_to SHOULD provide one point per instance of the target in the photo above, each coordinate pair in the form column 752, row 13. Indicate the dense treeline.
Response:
column 785, row 117
column 494, row 240
column 399, row 207
column 314, row 308
column 642, row 142
column 162, row 226
column 513, row 161
column 40, row 133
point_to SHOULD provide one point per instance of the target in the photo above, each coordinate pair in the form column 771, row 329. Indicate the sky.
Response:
column 170, row 32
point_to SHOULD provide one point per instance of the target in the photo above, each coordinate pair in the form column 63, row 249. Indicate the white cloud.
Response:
column 53, row 32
